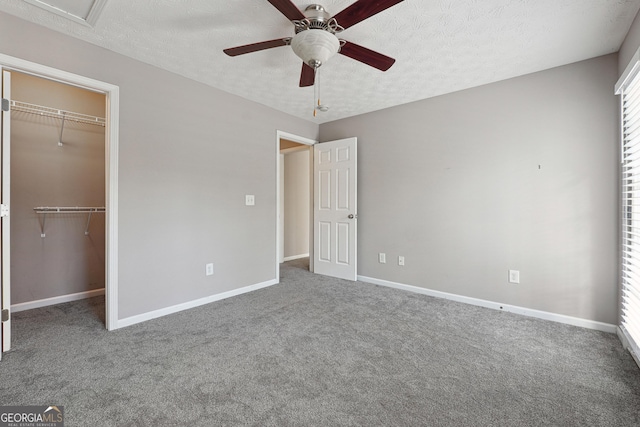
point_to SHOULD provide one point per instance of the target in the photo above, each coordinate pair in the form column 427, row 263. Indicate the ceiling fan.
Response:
column 315, row 39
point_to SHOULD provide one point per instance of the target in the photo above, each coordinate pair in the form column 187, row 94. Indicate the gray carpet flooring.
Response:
column 314, row 351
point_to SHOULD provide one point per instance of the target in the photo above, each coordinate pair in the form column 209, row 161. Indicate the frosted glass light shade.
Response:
column 314, row 46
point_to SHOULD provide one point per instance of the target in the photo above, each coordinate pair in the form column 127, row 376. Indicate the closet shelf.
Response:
column 45, row 210
column 68, row 209
column 57, row 113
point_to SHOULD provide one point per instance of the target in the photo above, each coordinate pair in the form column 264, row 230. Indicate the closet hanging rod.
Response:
column 57, row 113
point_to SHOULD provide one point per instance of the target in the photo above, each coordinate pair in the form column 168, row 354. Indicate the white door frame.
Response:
column 283, row 156
column 5, row 252
column 301, row 140
column 112, row 94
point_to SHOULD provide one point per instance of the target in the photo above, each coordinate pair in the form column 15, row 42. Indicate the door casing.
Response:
column 5, row 228
column 301, row 140
column 112, row 95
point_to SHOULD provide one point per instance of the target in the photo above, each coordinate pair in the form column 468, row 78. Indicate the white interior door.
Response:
column 335, row 225
column 5, row 300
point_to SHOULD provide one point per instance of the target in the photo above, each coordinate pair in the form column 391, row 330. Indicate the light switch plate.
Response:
column 514, row 276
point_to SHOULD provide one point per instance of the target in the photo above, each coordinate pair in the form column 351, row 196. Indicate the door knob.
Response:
column 351, row 216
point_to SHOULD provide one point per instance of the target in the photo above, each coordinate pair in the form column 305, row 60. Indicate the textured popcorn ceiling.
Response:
column 440, row 46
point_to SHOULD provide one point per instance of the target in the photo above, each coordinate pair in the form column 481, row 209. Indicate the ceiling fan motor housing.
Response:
column 317, row 17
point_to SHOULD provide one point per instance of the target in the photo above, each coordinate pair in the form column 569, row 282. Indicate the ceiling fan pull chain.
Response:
column 316, row 92
column 318, row 81
column 316, row 77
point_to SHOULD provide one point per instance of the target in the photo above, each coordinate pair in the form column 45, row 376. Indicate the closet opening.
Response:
column 58, row 194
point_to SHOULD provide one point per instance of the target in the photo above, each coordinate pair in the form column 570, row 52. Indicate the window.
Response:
column 629, row 89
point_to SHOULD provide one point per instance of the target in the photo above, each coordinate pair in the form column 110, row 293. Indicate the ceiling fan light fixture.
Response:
column 315, row 47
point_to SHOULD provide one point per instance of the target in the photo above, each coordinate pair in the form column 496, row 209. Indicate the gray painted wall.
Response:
column 188, row 155
column 44, row 174
column 520, row 174
column 296, row 203
column 452, row 183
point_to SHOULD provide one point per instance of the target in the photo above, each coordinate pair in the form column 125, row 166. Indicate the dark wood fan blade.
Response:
column 307, row 76
column 361, row 10
column 367, row 56
column 288, row 9
column 248, row 48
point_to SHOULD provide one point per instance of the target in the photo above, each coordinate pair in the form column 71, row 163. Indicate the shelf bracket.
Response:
column 43, row 218
column 61, row 129
column 86, row 229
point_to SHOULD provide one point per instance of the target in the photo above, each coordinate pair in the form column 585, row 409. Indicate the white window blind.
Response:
column 630, row 321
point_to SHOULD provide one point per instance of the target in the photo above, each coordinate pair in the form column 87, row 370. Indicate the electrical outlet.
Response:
column 249, row 200
column 209, row 269
column 400, row 260
column 514, row 276
column 382, row 258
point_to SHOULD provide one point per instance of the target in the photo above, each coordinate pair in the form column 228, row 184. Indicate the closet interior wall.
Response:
column 43, row 173
column 296, row 198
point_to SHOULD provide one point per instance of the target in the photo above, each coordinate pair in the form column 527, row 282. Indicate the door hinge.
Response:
column 4, row 210
column 5, row 104
column 5, row 314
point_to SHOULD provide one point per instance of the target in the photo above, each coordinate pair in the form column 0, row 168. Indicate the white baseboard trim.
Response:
column 55, row 300
column 192, row 304
column 291, row 258
column 554, row 317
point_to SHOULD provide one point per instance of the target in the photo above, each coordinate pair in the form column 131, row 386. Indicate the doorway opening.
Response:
column 110, row 97
column 57, row 181
column 294, row 199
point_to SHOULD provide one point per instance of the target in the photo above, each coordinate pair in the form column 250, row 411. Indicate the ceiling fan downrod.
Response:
column 317, row 18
